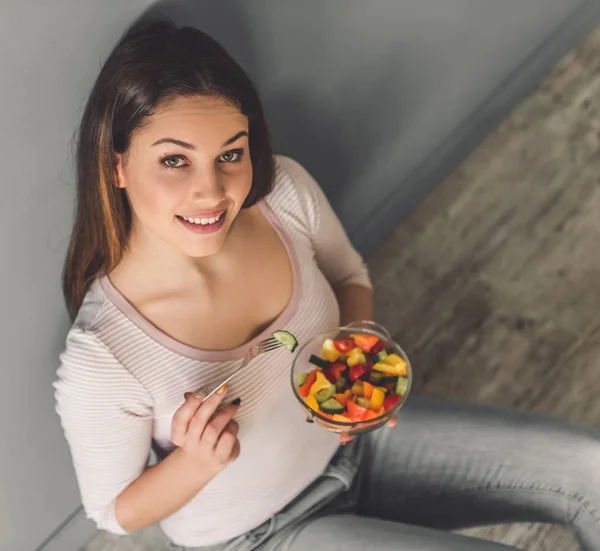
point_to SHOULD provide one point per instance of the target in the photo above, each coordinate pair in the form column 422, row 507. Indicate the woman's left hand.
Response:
column 345, row 438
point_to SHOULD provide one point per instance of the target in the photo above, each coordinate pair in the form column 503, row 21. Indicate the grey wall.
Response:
column 49, row 56
column 378, row 99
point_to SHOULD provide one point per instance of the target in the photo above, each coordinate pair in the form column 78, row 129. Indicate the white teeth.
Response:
column 202, row 221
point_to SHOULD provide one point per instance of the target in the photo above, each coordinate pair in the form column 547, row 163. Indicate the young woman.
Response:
column 191, row 243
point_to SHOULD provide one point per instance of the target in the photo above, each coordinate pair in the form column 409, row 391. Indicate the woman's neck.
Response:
column 151, row 267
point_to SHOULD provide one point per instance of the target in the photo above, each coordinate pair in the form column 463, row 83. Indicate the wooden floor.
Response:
column 493, row 284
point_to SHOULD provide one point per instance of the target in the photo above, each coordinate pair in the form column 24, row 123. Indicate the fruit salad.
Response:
column 354, row 379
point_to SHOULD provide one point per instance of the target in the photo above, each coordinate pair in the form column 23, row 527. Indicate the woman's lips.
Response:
column 206, row 222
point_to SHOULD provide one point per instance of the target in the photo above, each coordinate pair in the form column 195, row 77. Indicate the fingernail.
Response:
column 222, row 389
column 200, row 394
column 236, row 402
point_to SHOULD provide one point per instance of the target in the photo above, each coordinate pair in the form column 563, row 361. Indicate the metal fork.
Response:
column 262, row 347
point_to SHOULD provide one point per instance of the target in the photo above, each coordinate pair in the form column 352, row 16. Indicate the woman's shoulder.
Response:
column 88, row 361
column 85, row 338
column 290, row 176
column 94, row 312
column 295, row 191
column 285, row 165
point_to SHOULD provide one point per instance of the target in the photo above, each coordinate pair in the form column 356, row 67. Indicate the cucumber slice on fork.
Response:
column 287, row 339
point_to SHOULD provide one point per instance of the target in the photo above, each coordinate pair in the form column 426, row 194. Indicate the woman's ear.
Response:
column 119, row 172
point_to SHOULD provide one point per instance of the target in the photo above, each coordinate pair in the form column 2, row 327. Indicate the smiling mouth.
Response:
column 202, row 221
column 204, row 225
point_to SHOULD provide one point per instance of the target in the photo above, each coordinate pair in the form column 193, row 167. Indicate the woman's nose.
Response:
column 207, row 185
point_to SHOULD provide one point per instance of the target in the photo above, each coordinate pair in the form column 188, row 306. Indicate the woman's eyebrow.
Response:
column 187, row 145
column 236, row 137
column 176, row 142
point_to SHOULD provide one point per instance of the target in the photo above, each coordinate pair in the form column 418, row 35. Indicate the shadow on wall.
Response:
column 330, row 118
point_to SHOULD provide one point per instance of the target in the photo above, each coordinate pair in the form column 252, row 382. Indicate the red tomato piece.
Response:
column 334, row 372
column 357, row 371
column 329, row 376
column 344, row 345
column 391, row 401
column 355, row 412
column 337, row 369
column 377, row 347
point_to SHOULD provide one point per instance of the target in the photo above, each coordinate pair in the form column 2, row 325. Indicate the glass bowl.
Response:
column 302, row 365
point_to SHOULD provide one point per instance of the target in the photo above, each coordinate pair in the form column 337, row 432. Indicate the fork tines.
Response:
column 269, row 344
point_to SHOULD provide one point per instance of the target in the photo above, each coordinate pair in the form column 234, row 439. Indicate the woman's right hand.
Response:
column 205, row 433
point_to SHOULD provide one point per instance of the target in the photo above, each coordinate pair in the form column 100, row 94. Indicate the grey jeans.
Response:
column 443, row 467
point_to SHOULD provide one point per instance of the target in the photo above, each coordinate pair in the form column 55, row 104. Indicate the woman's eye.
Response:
column 233, row 156
column 173, row 161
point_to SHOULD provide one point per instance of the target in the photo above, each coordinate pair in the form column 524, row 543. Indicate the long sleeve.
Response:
column 335, row 255
column 107, row 418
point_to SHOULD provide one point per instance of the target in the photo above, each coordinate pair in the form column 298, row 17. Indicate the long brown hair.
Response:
column 153, row 61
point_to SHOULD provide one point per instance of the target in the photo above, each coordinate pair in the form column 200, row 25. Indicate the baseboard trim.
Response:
column 371, row 230
column 72, row 535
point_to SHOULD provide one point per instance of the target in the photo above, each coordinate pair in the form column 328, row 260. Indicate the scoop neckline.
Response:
column 130, row 312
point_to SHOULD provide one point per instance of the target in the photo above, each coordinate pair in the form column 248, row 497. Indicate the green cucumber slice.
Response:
column 332, row 406
column 319, row 362
column 390, row 379
column 287, row 339
column 401, row 385
column 325, row 394
column 341, row 383
column 363, row 402
column 375, row 377
column 301, row 379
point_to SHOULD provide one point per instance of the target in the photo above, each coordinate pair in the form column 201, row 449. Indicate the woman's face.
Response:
column 187, row 173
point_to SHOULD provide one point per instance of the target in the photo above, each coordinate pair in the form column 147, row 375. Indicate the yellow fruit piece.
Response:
column 320, row 383
column 392, row 365
column 377, row 398
column 341, row 418
column 393, row 359
column 358, row 388
column 311, row 402
column 329, row 352
column 356, row 357
column 390, row 369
